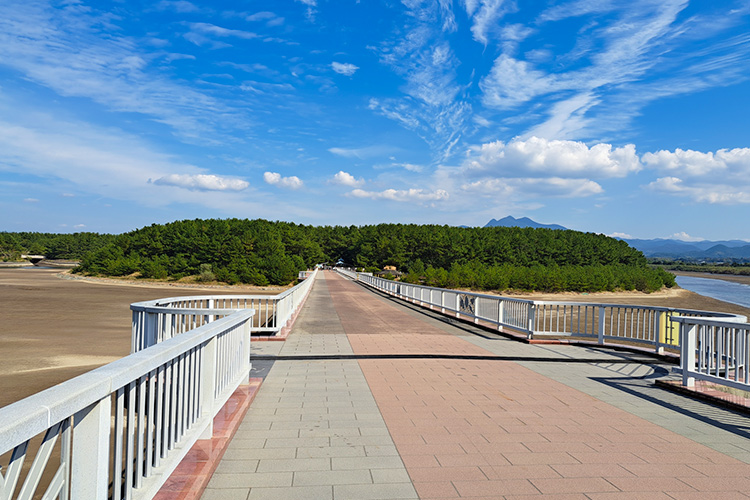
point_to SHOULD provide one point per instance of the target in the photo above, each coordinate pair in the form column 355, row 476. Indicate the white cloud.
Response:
column 410, row 167
column 202, row 182
column 537, row 156
column 531, row 188
column 624, row 236
column 683, row 236
column 720, row 194
column 275, row 179
column 364, row 153
column 696, row 163
column 31, row 200
column 403, row 195
column 721, row 177
column 347, row 69
column 346, row 179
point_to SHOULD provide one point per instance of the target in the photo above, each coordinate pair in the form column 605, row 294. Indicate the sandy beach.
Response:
column 56, row 326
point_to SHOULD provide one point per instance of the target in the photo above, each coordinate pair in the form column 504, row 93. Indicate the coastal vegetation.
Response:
column 261, row 252
column 51, row 245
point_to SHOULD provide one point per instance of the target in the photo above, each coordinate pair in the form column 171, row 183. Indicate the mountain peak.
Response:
column 511, row 221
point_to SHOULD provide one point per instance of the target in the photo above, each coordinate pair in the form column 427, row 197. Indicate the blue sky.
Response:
column 624, row 118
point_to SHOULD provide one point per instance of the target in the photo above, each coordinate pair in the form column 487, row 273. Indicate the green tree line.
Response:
column 51, row 245
column 261, row 252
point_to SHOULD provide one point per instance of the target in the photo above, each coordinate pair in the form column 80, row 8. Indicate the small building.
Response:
column 389, row 272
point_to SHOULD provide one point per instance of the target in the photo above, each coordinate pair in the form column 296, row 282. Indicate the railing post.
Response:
column 661, row 321
column 208, row 385
column 89, row 473
column 136, row 338
column 601, row 325
column 532, row 320
column 246, row 349
column 210, row 317
column 500, row 313
column 688, row 342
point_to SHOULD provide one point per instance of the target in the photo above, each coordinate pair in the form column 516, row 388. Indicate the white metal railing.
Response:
column 646, row 325
column 715, row 351
column 118, row 432
column 157, row 320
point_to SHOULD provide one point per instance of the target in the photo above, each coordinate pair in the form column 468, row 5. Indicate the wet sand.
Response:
column 52, row 329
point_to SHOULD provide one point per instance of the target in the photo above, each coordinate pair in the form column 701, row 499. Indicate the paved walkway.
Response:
column 413, row 405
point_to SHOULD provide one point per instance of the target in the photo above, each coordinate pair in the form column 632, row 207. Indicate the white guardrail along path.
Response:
column 158, row 320
column 119, row 431
column 713, row 346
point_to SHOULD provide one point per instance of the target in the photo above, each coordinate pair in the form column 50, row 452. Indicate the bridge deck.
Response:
column 411, row 406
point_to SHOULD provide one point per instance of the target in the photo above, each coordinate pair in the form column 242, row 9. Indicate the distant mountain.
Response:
column 697, row 250
column 510, row 221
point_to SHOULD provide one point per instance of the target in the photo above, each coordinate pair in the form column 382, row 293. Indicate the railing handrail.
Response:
column 736, row 320
column 28, row 417
column 606, row 321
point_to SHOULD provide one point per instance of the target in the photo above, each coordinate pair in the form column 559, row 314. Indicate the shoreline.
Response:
column 101, row 280
column 734, row 278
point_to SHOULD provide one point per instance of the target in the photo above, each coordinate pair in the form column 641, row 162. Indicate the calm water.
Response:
column 728, row 291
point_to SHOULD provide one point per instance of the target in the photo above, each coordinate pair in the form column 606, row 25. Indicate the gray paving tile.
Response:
column 332, row 477
column 381, row 491
column 292, row 493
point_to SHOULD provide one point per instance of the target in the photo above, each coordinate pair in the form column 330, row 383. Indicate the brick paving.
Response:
column 449, row 427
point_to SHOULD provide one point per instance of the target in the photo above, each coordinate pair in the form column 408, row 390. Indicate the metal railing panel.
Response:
column 134, row 418
column 157, row 320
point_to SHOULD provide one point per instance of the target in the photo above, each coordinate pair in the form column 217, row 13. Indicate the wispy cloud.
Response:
column 434, row 105
column 203, row 182
column 269, row 18
column 365, row 152
column 77, row 52
column 181, row 6
column 107, row 163
column 485, row 15
column 276, row 179
column 620, row 63
column 402, row 195
column 534, row 188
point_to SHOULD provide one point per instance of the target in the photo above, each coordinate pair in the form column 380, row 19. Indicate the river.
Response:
column 727, row 291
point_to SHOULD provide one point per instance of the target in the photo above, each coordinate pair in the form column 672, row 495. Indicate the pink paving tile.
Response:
column 443, row 473
column 494, row 489
column 573, row 485
column 442, row 489
column 542, row 436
